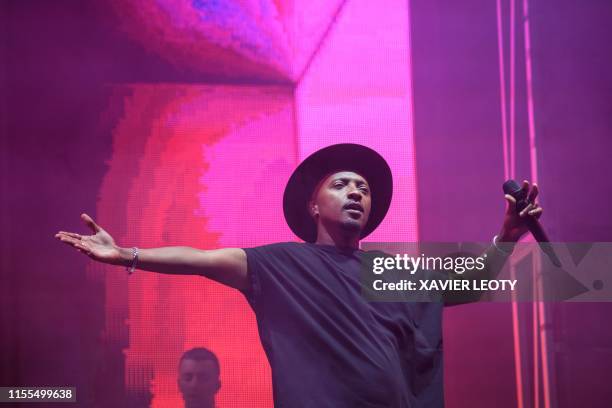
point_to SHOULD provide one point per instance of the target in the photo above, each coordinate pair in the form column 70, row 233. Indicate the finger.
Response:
column 74, row 243
column 69, row 240
column 511, row 201
column 84, row 251
column 64, row 238
column 70, row 234
column 90, row 223
column 533, row 193
column 526, row 210
column 62, row 234
column 525, row 187
column 84, row 247
column 536, row 212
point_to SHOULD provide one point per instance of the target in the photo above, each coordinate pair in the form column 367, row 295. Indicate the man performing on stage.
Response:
column 327, row 346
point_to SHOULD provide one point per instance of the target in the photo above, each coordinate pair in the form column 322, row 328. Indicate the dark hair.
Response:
column 200, row 354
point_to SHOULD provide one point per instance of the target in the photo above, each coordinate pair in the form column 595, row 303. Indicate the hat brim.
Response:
column 339, row 157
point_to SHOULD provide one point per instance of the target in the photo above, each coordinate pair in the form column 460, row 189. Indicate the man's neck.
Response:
column 202, row 404
column 340, row 239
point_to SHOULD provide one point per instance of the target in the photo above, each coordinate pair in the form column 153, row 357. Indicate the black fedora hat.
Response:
column 339, row 157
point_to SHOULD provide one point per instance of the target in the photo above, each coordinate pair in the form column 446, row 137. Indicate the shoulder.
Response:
column 278, row 249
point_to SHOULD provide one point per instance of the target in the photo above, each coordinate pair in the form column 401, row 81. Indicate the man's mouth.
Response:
column 354, row 206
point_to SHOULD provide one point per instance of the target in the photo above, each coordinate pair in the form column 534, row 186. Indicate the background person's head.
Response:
column 198, row 377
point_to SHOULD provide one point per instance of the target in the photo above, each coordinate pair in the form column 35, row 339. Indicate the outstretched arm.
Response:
column 227, row 266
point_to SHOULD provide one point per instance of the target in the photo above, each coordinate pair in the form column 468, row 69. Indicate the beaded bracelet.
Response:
column 130, row 269
column 503, row 251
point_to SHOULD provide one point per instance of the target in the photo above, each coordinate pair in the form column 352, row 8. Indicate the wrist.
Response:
column 125, row 256
column 504, row 247
column 504, row 236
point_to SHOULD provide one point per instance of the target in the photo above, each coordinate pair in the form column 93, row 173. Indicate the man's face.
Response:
column 344, row 199
column 198, row 381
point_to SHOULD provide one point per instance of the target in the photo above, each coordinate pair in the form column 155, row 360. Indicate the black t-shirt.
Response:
column 329, row 347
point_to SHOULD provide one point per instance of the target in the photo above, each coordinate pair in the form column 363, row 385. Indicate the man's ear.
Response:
column 313, row 209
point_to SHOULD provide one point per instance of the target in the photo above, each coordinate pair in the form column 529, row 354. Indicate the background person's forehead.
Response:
column 198, row 366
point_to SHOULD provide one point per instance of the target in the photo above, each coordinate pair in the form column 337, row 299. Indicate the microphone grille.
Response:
column 514, row 189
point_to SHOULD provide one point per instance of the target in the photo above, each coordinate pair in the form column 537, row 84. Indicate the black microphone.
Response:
column 513, row 188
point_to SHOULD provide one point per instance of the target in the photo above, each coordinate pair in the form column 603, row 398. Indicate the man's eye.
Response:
column 365, row 189
column 338, row 185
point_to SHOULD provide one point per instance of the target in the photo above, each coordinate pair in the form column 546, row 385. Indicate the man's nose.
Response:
column 355, row 194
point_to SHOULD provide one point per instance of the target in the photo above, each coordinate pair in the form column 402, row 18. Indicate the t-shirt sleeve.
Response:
column 253, row 289
column 265, row 268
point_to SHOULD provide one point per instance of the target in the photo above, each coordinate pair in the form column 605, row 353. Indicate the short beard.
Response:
column 351, row 226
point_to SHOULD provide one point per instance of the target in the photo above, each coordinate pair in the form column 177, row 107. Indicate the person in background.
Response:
column 198, row 378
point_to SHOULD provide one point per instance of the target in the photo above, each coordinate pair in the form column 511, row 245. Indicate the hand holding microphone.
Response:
column 522, row 215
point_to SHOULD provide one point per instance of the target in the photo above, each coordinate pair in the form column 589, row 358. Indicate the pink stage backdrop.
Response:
column 357, row 89
column 200, row 166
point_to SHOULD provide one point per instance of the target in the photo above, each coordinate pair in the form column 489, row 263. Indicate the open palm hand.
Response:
column 100, row 246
